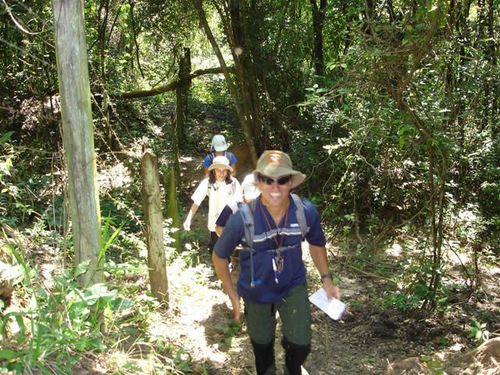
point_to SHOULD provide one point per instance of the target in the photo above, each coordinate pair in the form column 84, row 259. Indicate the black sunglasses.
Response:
column 269, row 180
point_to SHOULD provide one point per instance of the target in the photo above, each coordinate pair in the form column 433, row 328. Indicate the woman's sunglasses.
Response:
column 269, row 180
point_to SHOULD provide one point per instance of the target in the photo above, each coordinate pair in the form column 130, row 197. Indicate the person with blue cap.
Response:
column 218, row 148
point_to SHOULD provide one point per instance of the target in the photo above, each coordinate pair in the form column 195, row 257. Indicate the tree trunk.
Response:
column 182, row 95
column 153, row 226
column 78, row 139
column 240, row 111
column 318, row 16
column 240, row 28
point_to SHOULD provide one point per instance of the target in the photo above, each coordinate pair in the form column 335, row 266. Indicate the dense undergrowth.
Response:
column 390, row 108
column 53, row 325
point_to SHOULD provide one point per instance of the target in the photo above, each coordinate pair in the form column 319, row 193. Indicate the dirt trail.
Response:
column 364, row 341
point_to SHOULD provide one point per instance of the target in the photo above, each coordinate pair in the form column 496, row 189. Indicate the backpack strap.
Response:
column 227, row 154
column 248, row 226
column 211, row 157
column 300, row 213
column 246, row 213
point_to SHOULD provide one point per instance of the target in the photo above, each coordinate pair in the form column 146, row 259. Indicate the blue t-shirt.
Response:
column 210, row 157
column 293, row 271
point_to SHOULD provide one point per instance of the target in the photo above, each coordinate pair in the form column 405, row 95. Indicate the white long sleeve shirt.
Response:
column 219, row 194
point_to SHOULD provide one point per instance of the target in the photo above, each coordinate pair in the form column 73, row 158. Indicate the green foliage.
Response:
column 229, row 333
column 11, row 194
column 191, row 256
column 106, row 238
column 385, row 144
column 7, row 155
column 24, row 195
column 213, row 91
column 8, row 191
column 60, row 323
column 478, row 331
column 403, row 301
column 433, row 364
column 413, row 291
column 63, row 322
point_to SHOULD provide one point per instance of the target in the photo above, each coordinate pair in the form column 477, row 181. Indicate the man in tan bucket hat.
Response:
column 272, row 274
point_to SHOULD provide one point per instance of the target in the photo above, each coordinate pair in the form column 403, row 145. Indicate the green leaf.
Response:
column 81, row 268
column 8, row 355
column 5, row 137
column 120, row 304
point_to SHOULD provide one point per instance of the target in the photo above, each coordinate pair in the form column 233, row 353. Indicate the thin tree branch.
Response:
column 168, row 87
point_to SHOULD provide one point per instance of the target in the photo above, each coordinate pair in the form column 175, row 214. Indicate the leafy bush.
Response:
column 23, row 194
column 61, row 322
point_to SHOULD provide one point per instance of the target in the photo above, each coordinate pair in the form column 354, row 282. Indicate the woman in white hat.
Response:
column 218, row 148
column 221, row 188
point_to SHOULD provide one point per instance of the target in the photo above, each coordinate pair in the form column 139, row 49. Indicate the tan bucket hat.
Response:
column 220, row 162
column 276, row 164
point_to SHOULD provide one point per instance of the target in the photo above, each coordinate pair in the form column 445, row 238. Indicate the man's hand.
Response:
column 331, row 289
column 318, row 254
column 222, row 269
column 187, row 225
column 235, row 302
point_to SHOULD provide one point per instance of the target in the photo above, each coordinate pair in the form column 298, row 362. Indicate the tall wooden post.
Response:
column 78, row 137
column 153, row 227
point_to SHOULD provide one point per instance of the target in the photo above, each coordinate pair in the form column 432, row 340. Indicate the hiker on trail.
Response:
column 249, row 193
column 221, row 188
column 272, row 274
column 218, row 148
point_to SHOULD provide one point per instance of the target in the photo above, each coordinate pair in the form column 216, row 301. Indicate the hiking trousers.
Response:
column 295, row 318
column 213, row 240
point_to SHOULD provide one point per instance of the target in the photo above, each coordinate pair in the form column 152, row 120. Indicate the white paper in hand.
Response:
column 334, row 308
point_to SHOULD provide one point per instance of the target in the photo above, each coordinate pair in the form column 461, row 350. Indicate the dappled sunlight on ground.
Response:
column 395, row 250
column 198, row 314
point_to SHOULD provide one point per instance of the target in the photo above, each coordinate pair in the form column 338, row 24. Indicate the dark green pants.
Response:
column 295, row 318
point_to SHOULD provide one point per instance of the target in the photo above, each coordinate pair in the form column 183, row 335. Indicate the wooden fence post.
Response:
column 153, row 228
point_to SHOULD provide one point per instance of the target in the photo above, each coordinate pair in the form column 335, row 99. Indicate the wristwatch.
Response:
column 326, row 276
